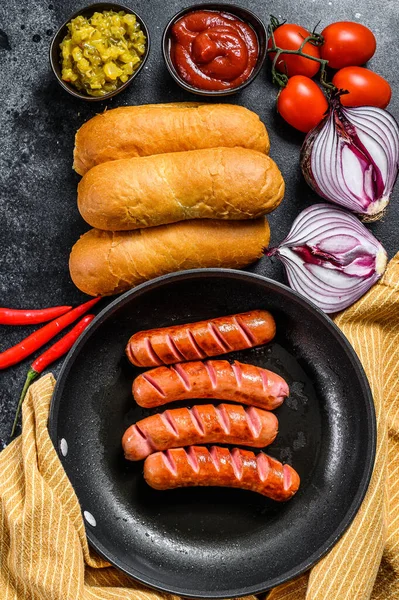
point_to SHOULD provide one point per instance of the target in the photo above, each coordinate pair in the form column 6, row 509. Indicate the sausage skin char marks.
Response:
column 198, row 466
column 203, row 424
column 196, row 341
column 237, row 382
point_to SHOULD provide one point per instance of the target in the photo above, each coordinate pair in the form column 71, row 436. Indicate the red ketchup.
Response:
column 213, row 50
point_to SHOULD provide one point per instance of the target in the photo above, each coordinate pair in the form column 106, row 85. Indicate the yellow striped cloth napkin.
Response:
column 43, row 548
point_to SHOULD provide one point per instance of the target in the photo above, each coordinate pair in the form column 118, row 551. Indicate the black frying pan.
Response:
column 215, row 542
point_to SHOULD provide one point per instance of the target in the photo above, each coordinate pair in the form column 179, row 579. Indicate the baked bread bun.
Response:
column 215, row 183
column 105, row 263
column 132, row 131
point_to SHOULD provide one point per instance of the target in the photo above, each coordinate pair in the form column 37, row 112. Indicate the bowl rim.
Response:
column 214, row 6
column 215, row 272
column 94, row 7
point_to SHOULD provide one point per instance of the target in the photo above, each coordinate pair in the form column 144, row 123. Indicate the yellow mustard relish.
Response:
column 99, row 54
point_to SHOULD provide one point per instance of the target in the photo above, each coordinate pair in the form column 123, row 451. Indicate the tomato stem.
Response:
column 314, row 38
column 320, row 37
column 275, row 23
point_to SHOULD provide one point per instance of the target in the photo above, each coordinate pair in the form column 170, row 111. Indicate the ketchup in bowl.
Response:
column 213, row 50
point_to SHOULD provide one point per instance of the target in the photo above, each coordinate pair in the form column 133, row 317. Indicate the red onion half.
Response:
column 330, row 257
column 352, row 157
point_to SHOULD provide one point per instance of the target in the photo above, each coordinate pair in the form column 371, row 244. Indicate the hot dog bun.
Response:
column 105, row 263
column 214, row 183
column 131, row 131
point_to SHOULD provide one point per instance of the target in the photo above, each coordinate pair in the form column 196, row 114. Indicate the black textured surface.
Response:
column 39, row 218
column 215, row 542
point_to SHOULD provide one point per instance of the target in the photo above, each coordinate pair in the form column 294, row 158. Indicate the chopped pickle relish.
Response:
column 99, row 54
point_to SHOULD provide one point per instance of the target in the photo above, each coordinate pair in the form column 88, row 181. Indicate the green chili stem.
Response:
column 31, row 376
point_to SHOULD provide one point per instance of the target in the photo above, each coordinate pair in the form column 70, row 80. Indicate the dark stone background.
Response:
column 39, row 218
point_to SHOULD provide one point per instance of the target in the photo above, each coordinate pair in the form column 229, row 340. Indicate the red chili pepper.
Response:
column 36, row 340
column 16, row 316
column 49, row 356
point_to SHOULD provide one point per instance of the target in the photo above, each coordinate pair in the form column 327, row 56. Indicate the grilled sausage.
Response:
column 194, row 341
column 204, row 424
column 221, row 467
column 238, row 382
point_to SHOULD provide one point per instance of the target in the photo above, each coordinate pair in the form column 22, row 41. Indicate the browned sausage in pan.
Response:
column 195, row 341
column 221, row 467
column 238, row 382
column 203, row 424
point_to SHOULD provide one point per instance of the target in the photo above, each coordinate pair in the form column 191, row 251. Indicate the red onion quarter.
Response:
column 330, row 257
column 351, row 158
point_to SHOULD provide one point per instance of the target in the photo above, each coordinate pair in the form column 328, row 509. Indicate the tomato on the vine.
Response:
column 347, row 44
column 290, row 37
column 365, row 87
column 302, row 103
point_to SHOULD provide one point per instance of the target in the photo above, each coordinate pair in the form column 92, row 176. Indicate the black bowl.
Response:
column 55, row 61
column 242, row 13
column 216, row 542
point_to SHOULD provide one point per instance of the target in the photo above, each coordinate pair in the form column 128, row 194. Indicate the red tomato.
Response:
column 365, row 87
column 347, row 44
column 302, row 103
column 290, row 37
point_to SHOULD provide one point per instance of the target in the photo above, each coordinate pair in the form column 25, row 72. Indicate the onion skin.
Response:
column 351, row 158
column 330, row 257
